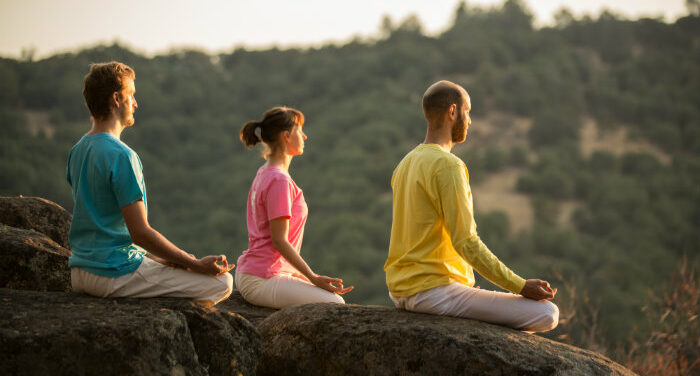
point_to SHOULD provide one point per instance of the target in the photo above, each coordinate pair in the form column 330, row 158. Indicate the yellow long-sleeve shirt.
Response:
column 433, row 233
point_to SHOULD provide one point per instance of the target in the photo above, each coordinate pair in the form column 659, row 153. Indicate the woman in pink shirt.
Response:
column 271, row 272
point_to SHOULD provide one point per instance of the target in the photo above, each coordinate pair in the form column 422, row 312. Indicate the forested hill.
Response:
column 584, row 152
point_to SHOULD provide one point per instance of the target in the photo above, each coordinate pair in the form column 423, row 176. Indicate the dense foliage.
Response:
column 635, row 215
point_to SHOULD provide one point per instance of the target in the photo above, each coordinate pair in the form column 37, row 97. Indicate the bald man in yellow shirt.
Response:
column 434, row 245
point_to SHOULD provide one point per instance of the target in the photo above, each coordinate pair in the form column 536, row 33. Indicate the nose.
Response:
column 136, row 105
column 303, row 135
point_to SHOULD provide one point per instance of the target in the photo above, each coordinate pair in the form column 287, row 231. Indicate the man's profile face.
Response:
column 127, row 104
column 459, row 129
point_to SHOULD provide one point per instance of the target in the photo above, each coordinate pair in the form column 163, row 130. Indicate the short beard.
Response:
column 459, row 130
column 125, row 118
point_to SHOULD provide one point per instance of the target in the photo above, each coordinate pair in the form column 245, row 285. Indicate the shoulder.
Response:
column 439, row 159
column 273, row 174
column 449, row 160
column 119, row 147
column 450, row 168
column 429, row 159
column 107, row 146
column 118, row 156
column 273, row 177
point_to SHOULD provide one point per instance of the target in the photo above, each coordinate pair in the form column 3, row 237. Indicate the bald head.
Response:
column 440, row 96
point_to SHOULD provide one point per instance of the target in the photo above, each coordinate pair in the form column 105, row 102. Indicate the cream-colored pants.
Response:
column 495, row 307
column 153, row 279
column 281, row 291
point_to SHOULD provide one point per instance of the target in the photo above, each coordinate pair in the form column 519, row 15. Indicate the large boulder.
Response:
column 333, row 339
column 30, row 260
column 49, row 333
column 235, row 303
column 35, row 213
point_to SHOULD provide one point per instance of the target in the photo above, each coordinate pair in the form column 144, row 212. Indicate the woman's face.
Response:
column 295, row 141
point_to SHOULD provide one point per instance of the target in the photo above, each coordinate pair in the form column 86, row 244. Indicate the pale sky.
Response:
column 156, row 26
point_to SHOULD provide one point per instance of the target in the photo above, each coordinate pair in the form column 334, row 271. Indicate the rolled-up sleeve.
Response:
column 456, row 204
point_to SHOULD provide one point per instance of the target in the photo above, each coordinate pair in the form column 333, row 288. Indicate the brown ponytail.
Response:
column 275, row 121
column 248, row 136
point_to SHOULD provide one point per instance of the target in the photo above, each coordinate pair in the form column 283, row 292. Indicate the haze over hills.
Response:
column 584, row 154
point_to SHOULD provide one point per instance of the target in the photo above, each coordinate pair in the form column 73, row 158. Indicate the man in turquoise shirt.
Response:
column 110, row 233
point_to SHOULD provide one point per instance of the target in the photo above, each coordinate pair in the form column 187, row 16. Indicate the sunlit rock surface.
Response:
column 36, row 213
column 333, row 339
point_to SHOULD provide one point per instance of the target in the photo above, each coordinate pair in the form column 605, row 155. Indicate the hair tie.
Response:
column 258, row 124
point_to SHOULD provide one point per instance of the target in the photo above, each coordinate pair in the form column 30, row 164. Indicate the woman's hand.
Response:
column 334, row 285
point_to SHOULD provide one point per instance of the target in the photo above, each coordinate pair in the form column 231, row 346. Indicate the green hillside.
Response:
column 592, row 127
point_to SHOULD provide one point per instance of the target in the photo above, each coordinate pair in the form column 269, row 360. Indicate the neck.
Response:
column 111, row 125
column 439, row 135
column 279, row 159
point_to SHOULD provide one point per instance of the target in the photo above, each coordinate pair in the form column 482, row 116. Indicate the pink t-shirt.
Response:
column 272, row 195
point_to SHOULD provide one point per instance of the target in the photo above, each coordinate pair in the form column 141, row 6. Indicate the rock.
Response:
column 227, row 347
column 235, row 303
column 30, row 260
column 51, row 333
column 35, row 213
column 334, row 339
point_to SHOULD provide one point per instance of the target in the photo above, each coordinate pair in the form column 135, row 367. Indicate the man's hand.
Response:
column 212, row 265
column 334, row 285
column 537, row 289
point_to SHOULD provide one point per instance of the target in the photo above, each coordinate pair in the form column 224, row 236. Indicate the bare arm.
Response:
column 279, row 231
column 151, row 240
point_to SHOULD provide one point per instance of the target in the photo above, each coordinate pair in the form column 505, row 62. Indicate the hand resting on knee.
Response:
column 537, row 289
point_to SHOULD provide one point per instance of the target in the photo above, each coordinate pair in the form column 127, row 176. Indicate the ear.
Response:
column 452, row 111
column 115, row 99
column 287, row 135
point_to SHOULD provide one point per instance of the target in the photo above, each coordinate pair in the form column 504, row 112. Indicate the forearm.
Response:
column 477, row 254
column 294, row 258
column 156, row 244
column 156, row 258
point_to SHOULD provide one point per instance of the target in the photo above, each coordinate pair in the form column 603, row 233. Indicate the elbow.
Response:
column 277, row 244
column 280, row 245
column 140, row 236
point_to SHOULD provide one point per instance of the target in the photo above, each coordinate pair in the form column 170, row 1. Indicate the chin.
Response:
column 129, row 122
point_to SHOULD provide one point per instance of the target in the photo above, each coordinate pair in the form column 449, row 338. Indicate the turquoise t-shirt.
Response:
column 105, row 175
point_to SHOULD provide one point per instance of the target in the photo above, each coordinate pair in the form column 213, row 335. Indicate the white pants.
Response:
column 281, row 291
column 495, row 307
column 153, row 279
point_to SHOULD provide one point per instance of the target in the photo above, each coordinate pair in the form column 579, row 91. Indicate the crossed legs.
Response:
column 495, row 307
column 281, row 291
column 153, row 279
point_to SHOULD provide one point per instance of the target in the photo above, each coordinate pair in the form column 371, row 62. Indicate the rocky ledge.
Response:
column 52, row 333
column 47, row 330
column 332, row 339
